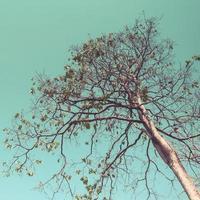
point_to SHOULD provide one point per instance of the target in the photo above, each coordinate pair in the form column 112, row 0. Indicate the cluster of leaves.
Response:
column 98, row 94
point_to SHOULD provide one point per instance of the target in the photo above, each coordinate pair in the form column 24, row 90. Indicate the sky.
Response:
column 35, row 36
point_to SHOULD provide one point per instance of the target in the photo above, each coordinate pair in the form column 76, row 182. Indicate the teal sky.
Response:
column 35, row 36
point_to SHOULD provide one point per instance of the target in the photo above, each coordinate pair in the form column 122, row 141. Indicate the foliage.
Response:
column 97, row 99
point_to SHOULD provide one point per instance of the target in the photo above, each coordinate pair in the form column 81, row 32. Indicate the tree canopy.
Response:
column 113, row 89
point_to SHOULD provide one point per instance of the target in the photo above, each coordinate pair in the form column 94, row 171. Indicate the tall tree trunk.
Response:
column 169, row 155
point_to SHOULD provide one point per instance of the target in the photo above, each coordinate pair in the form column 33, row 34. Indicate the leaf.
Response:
column 70, row 74
column 87, row 125
column 78, row 171
column 195, row 84
column 16, row 115
column 32, row 91
column 197, row 58
column 38, row 162
column 30, row 173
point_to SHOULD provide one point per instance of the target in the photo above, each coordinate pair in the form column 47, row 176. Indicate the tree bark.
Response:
column 169, row 155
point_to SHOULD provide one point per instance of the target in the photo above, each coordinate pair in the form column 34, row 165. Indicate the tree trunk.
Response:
column 169, row 155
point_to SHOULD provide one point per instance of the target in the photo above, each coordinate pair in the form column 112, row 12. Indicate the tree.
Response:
column 125, row 95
